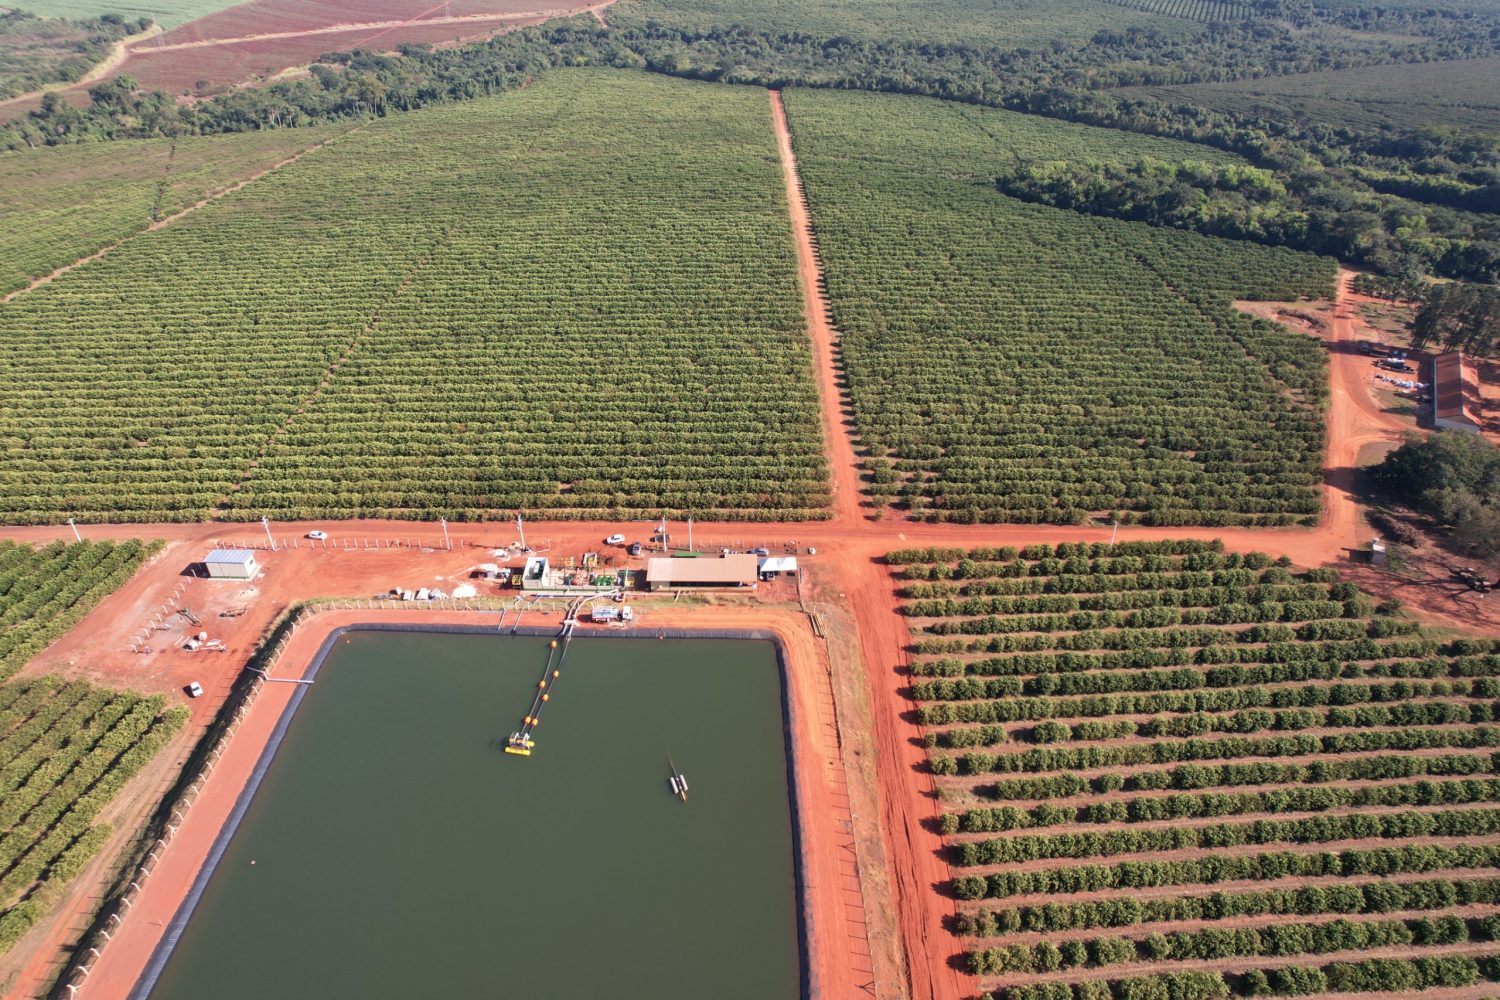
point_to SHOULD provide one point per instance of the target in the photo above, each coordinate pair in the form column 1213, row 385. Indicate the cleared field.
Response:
column 262, row 38
column 237, row 44
column 1207, row 11
column 35, row 51
column 65, row 202
column 575, row 299
column 66, row 749
column 268, row 16
column 1463, row 92
column 167, row 13
column 1165, row 769
column 970, row 22
column 1013, row 363
column 216, row 68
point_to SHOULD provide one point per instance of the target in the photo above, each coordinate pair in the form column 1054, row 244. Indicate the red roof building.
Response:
column 1455, row 394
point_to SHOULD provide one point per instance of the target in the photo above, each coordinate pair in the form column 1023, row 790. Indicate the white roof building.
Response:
column 777, row 565
column 231, row 564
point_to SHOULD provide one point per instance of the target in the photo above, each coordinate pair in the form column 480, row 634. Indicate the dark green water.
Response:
column 399, row 854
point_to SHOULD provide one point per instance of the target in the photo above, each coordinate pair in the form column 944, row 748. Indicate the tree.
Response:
column 1454, row 478
column 1459, row 317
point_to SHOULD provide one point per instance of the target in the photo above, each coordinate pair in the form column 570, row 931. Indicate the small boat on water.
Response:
column 678, row 781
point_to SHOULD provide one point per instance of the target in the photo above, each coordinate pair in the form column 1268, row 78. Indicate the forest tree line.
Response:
column 1390, row 199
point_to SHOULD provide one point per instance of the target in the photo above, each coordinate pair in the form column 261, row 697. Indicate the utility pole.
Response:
column 266, row 523
column 690, row 536
column 661, row 532
column 522, row 532
column 76, row 536
column 446, row 541
column 1114, row 533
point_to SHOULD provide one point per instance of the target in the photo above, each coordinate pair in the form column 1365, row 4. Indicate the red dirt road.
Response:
column 843, row 465
column 1355, row 420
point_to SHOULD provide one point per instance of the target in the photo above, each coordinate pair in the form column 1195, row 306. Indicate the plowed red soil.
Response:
column 231, row 62
column 261, row 17
column 255, row 41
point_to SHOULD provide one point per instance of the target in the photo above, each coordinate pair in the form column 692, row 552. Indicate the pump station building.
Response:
column 731, row 571
column 231, row 564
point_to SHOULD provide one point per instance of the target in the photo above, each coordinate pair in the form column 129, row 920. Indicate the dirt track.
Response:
column 168, row 220
column 843, row 465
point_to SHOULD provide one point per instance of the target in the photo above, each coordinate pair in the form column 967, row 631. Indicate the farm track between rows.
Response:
column 176, row 216
column 851, row 546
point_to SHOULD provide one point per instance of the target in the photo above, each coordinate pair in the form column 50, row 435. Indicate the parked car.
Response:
column 195, row 690
column 760, row 551
column 615, row 540
column 318, row 536
column 635, row 548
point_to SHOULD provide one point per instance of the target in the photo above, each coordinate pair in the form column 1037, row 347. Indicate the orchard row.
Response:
column 1105, row 720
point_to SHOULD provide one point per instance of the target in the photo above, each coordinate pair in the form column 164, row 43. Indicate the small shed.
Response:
column 231, row 564
column 773, row 566
column 1455, row 391
column 725, row 572
column 534, row 574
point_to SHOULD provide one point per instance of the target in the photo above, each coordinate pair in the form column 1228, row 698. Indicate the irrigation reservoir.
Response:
column 393, row 850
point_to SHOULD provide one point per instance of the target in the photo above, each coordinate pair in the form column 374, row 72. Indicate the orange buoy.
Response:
column 546, row 697
column 553, row 645
column 541, row 684
column 556, row 673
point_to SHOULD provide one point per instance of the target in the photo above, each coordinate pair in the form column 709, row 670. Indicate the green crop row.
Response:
column 1384, row 975
column 1128, row 911
column 1228, row 748
column 1280, row 800
column 1253, row 720
column 1194, row 776
column 1311, row 830
column 577, row 299
column 1226, row 866
column 66, row 749
column 1213, row 700
column 1011, row 363
column 1276, row 940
